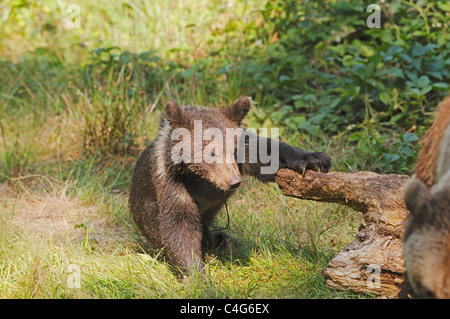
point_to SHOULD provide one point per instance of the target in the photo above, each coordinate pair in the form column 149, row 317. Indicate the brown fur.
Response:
column 427, row 235
column 174, row 204
column 425, row 168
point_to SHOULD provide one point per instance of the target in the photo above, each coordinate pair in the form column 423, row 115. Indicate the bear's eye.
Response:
column 213, row 153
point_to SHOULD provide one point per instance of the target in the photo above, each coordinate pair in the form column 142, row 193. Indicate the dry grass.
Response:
column 54, row 213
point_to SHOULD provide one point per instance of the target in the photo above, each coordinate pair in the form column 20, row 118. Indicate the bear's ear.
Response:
column 416, row 194
column 238, row 110
column 176, row 116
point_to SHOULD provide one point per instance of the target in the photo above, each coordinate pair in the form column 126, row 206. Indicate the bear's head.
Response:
column 205, row 140
column 427, row 238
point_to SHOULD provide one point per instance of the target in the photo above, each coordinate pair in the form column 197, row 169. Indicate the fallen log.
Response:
column 373, row 262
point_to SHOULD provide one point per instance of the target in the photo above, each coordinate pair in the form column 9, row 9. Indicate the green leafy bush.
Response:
column 330, row 67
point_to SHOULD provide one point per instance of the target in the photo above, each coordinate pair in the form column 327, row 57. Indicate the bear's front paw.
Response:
column 319, row 162
column 303, row 161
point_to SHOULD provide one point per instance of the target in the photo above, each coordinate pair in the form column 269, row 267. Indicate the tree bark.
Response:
column 373, row 262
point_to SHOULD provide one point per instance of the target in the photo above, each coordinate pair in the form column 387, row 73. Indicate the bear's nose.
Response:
column 235, row 182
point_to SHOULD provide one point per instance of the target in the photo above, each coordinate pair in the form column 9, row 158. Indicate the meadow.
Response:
column 82, row 88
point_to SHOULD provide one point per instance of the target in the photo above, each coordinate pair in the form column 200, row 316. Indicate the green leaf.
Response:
column 437, row 75
column 441, row 85
column 284, row 78
column 334, row 102
column 444, row 6
column 298, row 119
column 299, row 104
column 407, row 151
column 418, row 50
column 423, row 81
column 396, row 72
column 355, row 136
column 425, row 90
column 391, row 157
column 396, row 117
column 85, row 224
column 378, row 84
column 410, row 137
column 384, row 97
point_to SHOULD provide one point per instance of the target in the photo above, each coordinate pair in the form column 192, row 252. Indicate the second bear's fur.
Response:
column 425, row 168
column 174, row 203
column 427, row 236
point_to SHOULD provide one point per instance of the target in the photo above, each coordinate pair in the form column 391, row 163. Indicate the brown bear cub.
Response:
column 185, row 176
column 427, row 236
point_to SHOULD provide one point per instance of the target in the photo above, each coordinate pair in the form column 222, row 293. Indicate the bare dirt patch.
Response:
column 56, row 215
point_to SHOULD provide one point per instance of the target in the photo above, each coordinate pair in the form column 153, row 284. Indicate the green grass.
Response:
column 74, row 116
